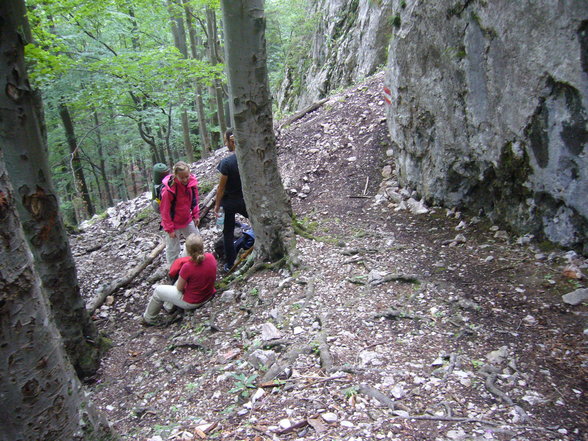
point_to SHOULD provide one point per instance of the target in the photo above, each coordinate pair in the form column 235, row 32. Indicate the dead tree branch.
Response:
column 107, row 289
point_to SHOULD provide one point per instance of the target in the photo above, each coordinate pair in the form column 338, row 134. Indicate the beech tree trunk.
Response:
column 23, row 147
column 267, row 203
column 214, row 60
column 76, row 164
column 102, row 166
column 179, row 34
column 194, row 43
column 41, row 396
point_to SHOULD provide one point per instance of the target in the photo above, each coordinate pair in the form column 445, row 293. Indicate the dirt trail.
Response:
column 397, row 326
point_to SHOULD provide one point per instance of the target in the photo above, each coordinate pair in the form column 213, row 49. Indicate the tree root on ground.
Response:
column 280, row 367
column 491, row 374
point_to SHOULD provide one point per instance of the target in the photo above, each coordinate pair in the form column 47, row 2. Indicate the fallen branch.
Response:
column 208, row 202
column 303, row 112
column 107, row 289
column 324, row 352
column 408, row 278
column 393, row 314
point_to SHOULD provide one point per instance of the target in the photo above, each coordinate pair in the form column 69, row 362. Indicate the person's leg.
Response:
column 164, row 293
column 229, row 237
column 172, row 248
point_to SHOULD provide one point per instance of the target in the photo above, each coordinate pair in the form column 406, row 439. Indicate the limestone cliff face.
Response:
column 350, row 42
column 488, row 110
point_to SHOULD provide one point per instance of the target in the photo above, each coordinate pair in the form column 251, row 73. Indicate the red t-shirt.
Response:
column 200, row 278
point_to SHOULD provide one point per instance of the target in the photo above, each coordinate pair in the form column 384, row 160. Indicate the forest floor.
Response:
column 402, row 323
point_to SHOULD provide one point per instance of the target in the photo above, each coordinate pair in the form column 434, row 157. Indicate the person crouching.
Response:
column 195, row 283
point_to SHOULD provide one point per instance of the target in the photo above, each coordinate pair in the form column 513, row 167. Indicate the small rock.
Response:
column 460, row 238
column 461, row 226
column 262, row 359
column 530, row 320
column 270, row 332
column 387, row 172
column 109, row 300
column 398, row 391
column 572, row 272
column 285, row 423
column 503, row 235
column 348, row 424
column 576, row 297
column 498, row 356
column 228, row 296
column 329, row 417
column 416, row 207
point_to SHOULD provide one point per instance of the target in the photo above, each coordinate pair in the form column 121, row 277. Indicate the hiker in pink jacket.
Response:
column 179, row 208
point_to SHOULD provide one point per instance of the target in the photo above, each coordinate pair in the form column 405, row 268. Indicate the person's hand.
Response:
column 172, row 234
column 197, row 222
column 216, row 214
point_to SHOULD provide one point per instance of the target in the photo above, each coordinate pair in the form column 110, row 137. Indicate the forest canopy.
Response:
column 127, row 84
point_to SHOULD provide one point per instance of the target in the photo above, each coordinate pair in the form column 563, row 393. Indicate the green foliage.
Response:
column 242, row 384
column 114, row 64
column 289, row 31
column 396, row 21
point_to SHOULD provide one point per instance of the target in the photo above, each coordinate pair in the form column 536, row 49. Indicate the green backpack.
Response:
column 160, row 171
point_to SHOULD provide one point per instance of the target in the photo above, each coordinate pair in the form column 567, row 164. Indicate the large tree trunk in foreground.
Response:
column 23, row 147
column 42, row 399
column 267, row 203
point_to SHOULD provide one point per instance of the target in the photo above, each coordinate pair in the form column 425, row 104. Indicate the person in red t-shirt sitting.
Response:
column 195, row 284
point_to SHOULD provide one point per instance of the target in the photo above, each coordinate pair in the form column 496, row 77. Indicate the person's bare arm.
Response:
column 181, row 284
column 220, row 192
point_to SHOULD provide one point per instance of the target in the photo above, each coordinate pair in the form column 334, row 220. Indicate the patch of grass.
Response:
column 477, row 364
column 204, row 187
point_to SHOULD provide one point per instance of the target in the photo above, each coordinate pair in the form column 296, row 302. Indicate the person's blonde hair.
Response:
column 180, row 167
column 195, row 248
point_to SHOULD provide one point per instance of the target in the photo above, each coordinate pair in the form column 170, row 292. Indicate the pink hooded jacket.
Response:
column 184, row 200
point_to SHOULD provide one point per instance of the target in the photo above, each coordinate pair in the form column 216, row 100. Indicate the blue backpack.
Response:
column 246, row 240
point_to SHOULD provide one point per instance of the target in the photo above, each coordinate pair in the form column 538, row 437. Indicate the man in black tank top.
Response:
column 229, row 195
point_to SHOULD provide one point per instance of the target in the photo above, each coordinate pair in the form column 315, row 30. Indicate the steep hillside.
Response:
column 404, row 322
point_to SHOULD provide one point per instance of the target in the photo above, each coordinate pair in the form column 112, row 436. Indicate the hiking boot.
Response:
column 157, row 322
column 171, row 310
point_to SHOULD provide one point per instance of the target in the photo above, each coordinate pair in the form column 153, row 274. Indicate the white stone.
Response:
column 329, row 417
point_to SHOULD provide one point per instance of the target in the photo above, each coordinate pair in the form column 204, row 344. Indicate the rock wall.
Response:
column 488, row 110
column 350, row 43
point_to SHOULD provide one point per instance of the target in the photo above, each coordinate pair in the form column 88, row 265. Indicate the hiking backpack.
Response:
column 160, row 171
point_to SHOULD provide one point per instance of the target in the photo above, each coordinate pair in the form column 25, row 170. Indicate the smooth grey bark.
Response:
column 76, row 163
column 102, row 166
column 179, row 34
column 267, row 203
column 24, row 149
column 194, row 43
column 212, row 31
